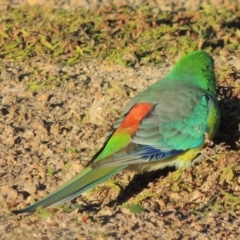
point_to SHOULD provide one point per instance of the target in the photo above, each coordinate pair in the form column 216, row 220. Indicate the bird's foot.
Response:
column 198, row 159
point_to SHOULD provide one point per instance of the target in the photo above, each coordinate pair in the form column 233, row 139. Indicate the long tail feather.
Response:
column 83, row 181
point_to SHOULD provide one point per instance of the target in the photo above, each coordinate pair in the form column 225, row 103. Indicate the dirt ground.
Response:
column 47, row 136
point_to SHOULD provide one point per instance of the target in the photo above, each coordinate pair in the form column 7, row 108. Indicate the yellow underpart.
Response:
column 181, row 160
column 213, row 120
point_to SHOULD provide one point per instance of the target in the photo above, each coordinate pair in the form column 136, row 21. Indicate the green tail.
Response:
column 83, row 181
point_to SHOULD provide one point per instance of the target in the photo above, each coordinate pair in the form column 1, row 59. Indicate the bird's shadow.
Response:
column 229, row 130
column 138, row 184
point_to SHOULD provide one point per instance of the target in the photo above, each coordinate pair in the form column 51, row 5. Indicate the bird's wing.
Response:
column 176, row 123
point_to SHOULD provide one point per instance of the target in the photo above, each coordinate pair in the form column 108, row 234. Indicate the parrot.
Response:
column 166, row 125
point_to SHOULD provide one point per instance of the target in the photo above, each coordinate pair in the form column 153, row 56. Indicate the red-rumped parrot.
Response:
column 168, row 124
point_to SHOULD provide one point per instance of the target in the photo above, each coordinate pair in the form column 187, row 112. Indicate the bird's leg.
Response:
column 205, row 151
column 199, row 158
column 203, row 154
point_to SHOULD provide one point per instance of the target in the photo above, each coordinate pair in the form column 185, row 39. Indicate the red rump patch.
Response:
column 134, row 117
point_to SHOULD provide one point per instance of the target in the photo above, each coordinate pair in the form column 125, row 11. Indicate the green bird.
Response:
column 168, row 124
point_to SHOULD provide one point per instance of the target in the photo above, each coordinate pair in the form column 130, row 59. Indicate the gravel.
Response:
column 49, row 135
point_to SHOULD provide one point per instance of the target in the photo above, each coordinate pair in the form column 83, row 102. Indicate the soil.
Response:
column 48, row 136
